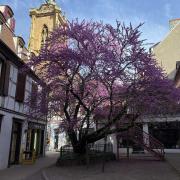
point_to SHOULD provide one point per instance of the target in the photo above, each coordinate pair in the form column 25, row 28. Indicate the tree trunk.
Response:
column 79, row 147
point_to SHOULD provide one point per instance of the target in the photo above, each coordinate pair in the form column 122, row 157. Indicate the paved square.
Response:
column 124, row 170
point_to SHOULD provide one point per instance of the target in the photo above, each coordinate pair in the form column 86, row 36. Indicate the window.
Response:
column 20, row 87
column 177, row 64
column 20, row 49
column 4, row 76
column 44, row 103
column 34, row 91
column 0, row 121
column 44, row 34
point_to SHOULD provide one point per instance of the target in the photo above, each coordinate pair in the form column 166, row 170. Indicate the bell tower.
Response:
column 43, row 20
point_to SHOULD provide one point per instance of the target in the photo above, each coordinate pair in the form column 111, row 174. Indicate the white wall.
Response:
column 5, row 139
column 5, row 136
column 9, row 103
column 61, row 137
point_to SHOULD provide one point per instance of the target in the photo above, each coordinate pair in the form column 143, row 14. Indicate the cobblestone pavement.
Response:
column 124, row 170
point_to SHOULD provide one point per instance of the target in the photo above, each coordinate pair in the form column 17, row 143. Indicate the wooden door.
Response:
column 15, row 143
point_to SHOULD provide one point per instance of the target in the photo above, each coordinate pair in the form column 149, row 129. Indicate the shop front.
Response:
column 15, row 142
column 35, row 138
column 166, row 132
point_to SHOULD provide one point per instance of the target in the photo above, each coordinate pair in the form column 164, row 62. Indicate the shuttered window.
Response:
column 34, row 91
column 4, row 77
column 20, row 87
column 43, row 101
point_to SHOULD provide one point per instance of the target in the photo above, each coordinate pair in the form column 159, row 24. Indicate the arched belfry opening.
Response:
column 43, row 20
column 44, row 34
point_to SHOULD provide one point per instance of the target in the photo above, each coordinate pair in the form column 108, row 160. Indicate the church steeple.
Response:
column 43, row 21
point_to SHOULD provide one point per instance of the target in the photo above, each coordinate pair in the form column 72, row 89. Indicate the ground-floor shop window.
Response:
column 15, row 141
column 35, row 138
column 167, row 132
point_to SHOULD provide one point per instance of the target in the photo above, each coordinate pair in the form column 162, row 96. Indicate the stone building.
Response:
column 43, row 20
column 18, row 133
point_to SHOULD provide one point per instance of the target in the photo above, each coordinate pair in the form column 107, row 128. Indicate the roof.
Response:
column 2, row 18
column 11, row 13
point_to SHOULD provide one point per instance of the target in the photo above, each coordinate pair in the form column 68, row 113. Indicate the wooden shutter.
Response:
column 20, row 87
column 4, row 79
column 34, row 91
column 6, row 82
column 44, row 101
column 2, row 76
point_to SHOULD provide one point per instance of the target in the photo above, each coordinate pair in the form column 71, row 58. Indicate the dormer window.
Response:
column 44, row 34
column 20, row 48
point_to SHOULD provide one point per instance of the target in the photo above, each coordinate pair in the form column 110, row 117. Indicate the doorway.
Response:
column 35, row 141
column 56, row 139
column 137, row 146
column 15, row 142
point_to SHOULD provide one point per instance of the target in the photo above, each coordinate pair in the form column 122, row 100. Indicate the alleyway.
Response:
column 20, row 172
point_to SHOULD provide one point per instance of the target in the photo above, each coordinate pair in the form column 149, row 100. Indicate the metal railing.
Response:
column 95, row 147
column 100, row 147
column 145, row 140
column 149, row 142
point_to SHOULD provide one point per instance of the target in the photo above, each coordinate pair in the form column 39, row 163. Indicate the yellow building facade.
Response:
column 167, row 52
column 43, row 20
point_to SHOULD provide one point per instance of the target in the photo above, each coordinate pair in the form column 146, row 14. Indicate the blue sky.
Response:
column 154, row 13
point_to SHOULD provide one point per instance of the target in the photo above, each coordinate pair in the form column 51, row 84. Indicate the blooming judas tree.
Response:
column 97, row 73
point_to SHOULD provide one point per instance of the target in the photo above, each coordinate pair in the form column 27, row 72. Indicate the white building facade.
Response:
column 18, row 133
